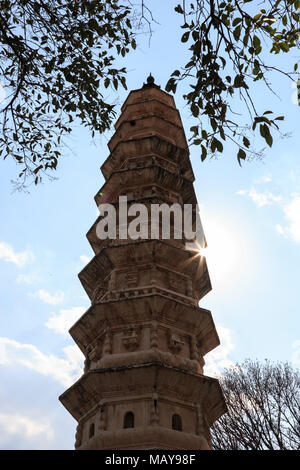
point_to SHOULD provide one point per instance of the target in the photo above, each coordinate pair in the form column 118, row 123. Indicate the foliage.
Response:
column 55, row 56
column 58, row 57
column 231, row 44
column 263, row 402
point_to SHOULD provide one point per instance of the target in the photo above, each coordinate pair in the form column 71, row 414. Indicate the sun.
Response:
column 225, row 250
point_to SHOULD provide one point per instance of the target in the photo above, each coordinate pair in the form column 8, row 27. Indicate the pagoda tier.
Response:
column 153, row 392
column 144, row 337
column 152, row 325
column 145, row 264
column 141, row 151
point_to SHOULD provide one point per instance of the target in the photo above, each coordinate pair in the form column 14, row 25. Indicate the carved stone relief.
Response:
column 131, row 338
column 175, row 342
column 132, row 278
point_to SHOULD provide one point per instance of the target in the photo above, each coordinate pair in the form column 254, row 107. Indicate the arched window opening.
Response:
column 92, row 430
column 176, row 422
column 129, row 420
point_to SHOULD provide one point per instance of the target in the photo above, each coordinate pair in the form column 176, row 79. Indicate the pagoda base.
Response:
column 144, row 406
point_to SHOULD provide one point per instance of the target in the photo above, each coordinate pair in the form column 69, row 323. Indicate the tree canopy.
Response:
column 263, row 400
column 58, row 57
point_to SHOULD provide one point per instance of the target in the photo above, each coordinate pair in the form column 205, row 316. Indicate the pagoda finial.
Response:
column 150, row 79
column 150, row 82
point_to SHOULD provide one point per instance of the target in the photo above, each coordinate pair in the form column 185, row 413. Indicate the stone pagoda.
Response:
column 144, row 336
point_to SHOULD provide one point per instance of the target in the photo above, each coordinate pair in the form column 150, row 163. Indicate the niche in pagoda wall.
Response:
column 119, row 412
column 90, row 427
column 168, row 410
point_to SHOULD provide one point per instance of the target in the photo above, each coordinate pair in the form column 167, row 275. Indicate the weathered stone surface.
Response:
column 118, row 390
column 145, row 337
column 142, row 150
column 123, row 182
column 148, row 312
column 148, row 263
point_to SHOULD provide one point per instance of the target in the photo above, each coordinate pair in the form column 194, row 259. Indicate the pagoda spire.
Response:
column 150, row 82
column 145, row 336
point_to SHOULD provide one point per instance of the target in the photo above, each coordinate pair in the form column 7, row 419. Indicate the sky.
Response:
column 251, row 218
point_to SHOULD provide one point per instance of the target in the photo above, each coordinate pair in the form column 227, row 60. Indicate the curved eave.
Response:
column 145, row 308
column 102, row 383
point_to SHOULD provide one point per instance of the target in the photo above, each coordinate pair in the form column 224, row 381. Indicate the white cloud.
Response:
column 280, row 229
column 61, row 323
column 292, row 213
column 291, row 210
column 264, row 179
column 20, row 259
column 296, row 353
column 261, row 199
column 27, row 278
column 22, row 425
column 42, row 294
column 217, row 359
column 65, row 371
column 85, row 259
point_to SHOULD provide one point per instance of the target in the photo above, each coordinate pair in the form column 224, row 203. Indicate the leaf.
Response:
column 246, row 39
column 284, row 46
column 213, row 124
column 92, row 24
column 256, row 44
column 246, row 142
column 37, row 169
column 195, row 130
column 194, row 109
column 185, row 36
column 116, row 83
column 239, row 81
column 265, row 133
column 171, row 85
column 263, row 128
column 203, row 152
column 179, row 9
column 269, row 140
column 236, row 21
column 241, row 155
column 204, row 134
column 219, row 146
column 237, row 33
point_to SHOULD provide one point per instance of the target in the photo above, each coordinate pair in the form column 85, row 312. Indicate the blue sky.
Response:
column 251, row 217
